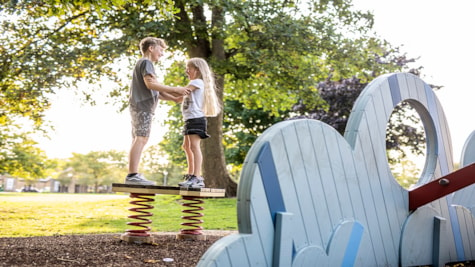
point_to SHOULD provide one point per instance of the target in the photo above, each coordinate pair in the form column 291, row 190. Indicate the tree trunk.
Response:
column 214, row 162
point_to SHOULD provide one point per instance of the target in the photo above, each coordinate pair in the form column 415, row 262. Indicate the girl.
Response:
column 202, row 102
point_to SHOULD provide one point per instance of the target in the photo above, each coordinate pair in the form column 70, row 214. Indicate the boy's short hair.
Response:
column 146, row 42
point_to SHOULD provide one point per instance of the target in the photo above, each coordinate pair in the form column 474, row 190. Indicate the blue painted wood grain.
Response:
column 311, row 197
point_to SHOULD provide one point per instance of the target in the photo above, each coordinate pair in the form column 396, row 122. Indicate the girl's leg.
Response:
column 195, row 147
column 189, row 154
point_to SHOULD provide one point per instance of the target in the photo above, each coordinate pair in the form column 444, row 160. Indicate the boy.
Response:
column 145, row 91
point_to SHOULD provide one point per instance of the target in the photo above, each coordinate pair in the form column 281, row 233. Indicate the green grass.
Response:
column 44, row 214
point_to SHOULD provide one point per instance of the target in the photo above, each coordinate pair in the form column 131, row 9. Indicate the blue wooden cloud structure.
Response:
column 311, row 197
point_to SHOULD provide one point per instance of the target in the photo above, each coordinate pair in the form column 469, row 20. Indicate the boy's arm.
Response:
column 152, row 84
column 176, row 97
column 171, row 97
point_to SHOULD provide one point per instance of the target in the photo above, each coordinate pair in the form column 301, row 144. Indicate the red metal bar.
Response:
column 441, row 187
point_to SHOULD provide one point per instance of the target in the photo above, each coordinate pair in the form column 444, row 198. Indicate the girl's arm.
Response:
column 191, row 88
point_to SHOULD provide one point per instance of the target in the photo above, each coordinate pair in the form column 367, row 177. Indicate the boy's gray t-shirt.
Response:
column 141, row 98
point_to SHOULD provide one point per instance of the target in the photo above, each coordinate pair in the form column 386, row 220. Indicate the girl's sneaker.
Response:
column 186, row 177
column 197, row 182
column 194, row 182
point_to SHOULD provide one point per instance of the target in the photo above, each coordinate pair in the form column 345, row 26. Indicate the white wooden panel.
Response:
column 318, row 185
column 376, row 186
column 237, row 253
column 403, row 86
column 385, row 96
column 333, row 175
column 418, row 251
column 443, row 209
column 325, row 169
column 468, row 151
column 421, row 90
column 467, row 231
column 384, row 175
column 466, row 196
column 305, row 172
column 217, row 254
column 372, row 205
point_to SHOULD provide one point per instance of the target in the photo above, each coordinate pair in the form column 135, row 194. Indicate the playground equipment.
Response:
column 142, row 195
column 310, row 197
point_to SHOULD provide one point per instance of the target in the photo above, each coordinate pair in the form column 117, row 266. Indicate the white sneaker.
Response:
column 138, row 179
column 186, row 178
column 194, row 182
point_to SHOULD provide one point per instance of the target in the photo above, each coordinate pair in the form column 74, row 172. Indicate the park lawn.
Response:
column 46, row 214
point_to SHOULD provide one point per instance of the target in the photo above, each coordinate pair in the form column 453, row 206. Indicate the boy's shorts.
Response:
column 141, row 122
column 196, row 126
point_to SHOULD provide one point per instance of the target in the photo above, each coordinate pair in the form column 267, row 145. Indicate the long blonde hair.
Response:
column 211, row 106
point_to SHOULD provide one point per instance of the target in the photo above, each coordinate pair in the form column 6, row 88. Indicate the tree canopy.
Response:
column 269, row 56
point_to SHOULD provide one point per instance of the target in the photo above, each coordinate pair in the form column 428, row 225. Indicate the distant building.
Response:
column 11, row 184
column 48, row 185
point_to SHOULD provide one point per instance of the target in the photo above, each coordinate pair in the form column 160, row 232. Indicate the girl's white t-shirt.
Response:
column 192, row 106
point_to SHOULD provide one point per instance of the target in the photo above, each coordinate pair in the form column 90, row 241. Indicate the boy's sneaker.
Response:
column 186, row 177
column 195, row 182
column 138, row 179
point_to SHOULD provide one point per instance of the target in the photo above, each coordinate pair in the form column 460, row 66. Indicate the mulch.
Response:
column 110, row 250
column 104, row 250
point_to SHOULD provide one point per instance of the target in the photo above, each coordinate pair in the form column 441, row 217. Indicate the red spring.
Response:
column 194, row 220
column 141, row 200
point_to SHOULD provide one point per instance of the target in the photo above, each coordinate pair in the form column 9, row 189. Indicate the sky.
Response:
column 436, row 31
column 440, row 33
column 82, row 128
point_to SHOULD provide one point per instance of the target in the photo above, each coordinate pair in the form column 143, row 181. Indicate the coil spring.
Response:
column 193, row 220
column 142, row 215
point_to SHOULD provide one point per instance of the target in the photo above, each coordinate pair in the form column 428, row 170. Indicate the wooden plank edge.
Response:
column 169, row 190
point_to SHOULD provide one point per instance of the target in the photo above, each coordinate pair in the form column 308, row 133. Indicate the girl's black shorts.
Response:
column 196, row 126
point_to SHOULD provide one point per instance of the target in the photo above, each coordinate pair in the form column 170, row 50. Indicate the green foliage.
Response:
column 280, row 54
column 275, row 50
column 173, row 139
column 156, row 166
column 242, row 127
column 19, row 156
column 405, row 144
column 406, row 171
column 43, row 50
column 272, row 55
column 95, row 168
column 405, row 131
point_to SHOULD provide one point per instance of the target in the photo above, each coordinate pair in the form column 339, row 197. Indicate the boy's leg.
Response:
column 135, row 153
column 141, row 128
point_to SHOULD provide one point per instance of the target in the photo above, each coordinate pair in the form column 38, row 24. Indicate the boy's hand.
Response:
column 181, row 91
column 187, row 91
